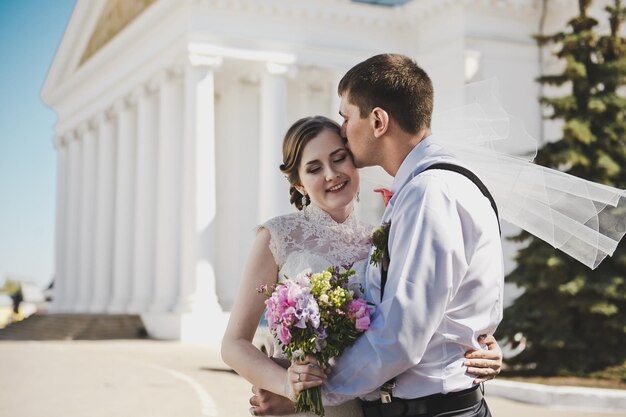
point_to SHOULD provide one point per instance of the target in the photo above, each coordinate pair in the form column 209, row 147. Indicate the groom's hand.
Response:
column 267, row 403
column 484, row 363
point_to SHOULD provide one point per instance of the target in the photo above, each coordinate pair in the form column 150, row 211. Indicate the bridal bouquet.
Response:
column 315, row 314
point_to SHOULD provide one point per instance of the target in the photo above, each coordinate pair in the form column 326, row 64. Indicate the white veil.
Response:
column 584, row 219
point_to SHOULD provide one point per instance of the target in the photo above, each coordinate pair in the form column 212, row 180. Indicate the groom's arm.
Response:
column 425, row 247
column 266, row 403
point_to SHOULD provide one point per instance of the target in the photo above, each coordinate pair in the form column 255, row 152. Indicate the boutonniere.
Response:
column 379, row 239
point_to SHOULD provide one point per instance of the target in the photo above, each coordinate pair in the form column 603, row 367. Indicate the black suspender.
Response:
column 472, row 177
column 387, row 388
column 446, row 167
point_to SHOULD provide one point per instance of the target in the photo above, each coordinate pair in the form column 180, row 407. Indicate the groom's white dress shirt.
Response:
column 444, row 286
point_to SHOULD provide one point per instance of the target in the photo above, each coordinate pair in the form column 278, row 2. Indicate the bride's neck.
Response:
column 340, row 215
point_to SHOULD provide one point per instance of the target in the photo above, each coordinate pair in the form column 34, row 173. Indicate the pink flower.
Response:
column 358, row 310
column 278, row 308
column 270, row 313
column 284, row 334
column 287, row 317
column 363, row 323
column 282, row 297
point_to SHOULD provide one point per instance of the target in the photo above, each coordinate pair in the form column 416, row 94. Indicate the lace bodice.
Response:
column 312, row 239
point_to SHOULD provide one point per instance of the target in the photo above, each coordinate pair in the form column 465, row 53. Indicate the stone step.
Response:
column 75, row 327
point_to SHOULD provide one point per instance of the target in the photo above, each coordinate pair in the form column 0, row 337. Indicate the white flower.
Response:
column 304, row 278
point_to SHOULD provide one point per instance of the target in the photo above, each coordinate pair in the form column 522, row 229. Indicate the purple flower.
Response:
column 321, row 335
column 307, row 311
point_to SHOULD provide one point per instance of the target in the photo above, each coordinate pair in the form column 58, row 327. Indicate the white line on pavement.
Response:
column 208, row 405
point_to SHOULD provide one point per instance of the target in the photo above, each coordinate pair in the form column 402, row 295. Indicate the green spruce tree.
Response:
column 574, row 318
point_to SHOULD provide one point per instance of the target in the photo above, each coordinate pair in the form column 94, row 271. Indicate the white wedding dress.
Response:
column 311, row 239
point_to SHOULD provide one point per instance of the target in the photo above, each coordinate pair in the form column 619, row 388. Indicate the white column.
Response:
column 237, row 214
column 273, row 188
column 145, row 192
column 168, row 195
column 105, row 211
column 61, row 239
column 312, row 94
column 72, row 225
column 124, row 206
column 197, row 285
column 335, row 102
column 87, row 218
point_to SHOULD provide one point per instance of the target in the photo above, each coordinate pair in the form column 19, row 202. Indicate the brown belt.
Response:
column 432, row 404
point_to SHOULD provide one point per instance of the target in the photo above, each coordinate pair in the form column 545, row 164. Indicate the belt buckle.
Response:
column 385, row 397
column 385, row 391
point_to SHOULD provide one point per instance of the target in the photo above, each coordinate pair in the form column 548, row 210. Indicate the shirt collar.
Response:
column 413, row 161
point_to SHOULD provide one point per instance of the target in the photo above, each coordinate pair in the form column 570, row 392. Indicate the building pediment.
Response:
column 115, row 16
column 92, row 25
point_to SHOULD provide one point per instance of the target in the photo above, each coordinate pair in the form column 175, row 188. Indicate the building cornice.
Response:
column 344, row 11
column 317, row 29
column 347, row 11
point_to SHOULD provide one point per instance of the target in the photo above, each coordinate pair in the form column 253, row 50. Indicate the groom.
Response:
column 443, row 285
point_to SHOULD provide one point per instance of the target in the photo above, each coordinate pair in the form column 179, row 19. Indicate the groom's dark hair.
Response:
column 394, row 83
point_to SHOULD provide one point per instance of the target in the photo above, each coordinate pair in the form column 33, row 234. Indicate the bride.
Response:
column 325, row 231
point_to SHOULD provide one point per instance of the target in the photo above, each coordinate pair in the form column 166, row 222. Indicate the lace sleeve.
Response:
column 277, row 240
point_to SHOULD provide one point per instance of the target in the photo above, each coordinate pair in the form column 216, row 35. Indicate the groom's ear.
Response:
column 380, row 121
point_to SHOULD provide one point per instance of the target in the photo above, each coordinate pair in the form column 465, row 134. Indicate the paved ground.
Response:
column 145, row 378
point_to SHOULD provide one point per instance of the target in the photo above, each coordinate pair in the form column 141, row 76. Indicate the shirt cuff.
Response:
column 333, row 399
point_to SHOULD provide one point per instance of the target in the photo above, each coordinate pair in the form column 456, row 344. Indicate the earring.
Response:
column 358, row 199
column 305, row 211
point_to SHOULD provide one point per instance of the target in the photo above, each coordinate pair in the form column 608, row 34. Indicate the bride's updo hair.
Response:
column 296, row 138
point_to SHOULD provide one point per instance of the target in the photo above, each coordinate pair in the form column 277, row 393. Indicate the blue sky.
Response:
column 30, row 32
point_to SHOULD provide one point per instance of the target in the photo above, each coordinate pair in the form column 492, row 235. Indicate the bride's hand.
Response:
column 302, row 375
column 266, row 403
column 484, row 363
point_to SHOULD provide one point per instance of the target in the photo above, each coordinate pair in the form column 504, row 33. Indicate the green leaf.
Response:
column 607, row 163
column 578, row 130
column 575, row 70
column 604, row 308
column 596, row 106
column 573, row 287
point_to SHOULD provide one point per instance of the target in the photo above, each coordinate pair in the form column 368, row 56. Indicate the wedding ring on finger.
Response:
column 299, row 374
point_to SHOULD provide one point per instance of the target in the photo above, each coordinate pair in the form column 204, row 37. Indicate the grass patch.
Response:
column 610, row 378
column 568, row 381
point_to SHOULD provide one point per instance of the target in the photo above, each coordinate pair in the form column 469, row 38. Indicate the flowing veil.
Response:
column 584, row 219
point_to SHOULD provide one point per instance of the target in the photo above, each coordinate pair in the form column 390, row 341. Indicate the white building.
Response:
column 171, row 114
